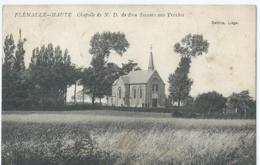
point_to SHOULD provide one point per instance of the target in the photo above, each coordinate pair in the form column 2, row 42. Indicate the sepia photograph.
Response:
column 129, row 85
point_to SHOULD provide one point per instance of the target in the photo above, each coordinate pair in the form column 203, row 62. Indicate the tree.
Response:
column 99, row 77
column 192, row 46
column 78, row 74
column 20, row 88
column 210, row 102
column 241, row 102
column 128, row 67
column 94, row 78
column 51, row 72
column 89, row 81
column 14, row 75
column 7, row 71
column 9, row 47
column 112, row 72
column 19, row 55
column 180, row 84
column 102, row 44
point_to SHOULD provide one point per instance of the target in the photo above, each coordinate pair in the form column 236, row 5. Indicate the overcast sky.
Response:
column 229, row 65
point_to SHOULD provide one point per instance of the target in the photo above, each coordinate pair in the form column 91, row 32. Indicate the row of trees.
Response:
column 44, row 82
column 213, row 102
column 51, row 72
column 192, row 46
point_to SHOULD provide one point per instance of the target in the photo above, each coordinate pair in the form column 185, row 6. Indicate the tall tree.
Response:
column 9, row 48
column 21, row 85
column 14, row 75
column 180, row 84
column 19, row 54
column 98, row 78
column 7, row 71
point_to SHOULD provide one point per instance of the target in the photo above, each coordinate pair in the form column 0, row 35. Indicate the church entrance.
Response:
column 154, row 102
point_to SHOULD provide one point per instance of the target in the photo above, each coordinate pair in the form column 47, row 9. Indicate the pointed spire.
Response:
column 20, row 34
column 151, row 65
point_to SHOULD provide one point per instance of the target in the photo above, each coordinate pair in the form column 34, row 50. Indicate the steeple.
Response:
column 20, row 34
column 151, row 65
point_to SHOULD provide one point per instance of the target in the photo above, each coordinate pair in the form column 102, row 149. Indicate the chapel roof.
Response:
column 136, row 77
column 140, row 76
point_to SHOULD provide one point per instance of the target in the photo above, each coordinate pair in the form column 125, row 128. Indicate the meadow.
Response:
column 113, row 137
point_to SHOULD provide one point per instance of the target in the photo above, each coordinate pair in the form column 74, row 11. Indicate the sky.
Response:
column 229, row 66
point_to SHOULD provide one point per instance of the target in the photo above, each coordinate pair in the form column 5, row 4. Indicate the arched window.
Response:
column 119, row 92
column 134, row 93
column 155, row 87
column 140, row 92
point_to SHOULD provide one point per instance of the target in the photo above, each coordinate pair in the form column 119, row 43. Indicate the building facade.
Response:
column 143, row 88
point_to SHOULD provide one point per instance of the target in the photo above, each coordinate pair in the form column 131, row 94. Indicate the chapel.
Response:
column 142, row 88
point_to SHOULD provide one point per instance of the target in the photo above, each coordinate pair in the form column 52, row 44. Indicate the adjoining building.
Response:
column 142, row 88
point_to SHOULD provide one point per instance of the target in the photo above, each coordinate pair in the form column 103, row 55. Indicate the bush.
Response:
column 209, row 103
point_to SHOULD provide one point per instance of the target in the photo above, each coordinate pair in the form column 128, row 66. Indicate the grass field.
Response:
column 111, row 137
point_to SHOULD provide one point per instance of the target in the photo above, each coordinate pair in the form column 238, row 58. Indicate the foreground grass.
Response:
column 130, row 138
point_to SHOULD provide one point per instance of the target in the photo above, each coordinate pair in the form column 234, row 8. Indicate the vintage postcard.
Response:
column 128, row 84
